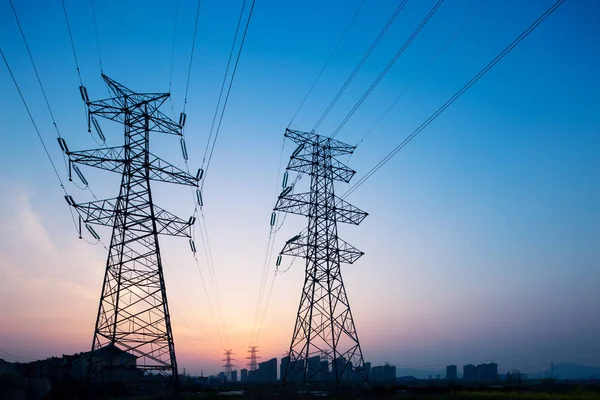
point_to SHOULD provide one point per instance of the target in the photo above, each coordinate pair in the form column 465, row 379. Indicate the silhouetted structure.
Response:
column 482, row 373
column 470, row 373
column 383, row 373
column 487, row 373
column 324, row 324
column 266, row 372
column 451, row 372
column 228, row 366
column 252, row 363
column 133, row 315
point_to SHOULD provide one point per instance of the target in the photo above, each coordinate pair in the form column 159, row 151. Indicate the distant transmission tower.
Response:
column 228, row 366
column 133, row 340
column 325, row 346
column 252, row 361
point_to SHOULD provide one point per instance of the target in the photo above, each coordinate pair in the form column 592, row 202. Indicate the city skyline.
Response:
column 481, row 243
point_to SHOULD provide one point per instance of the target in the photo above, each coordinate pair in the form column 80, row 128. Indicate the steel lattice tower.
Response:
column 228, row 366
column 133, row 339
column 253, row 363
column 325, row 345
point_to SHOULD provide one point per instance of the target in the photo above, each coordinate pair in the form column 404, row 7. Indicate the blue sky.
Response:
column 483, row 236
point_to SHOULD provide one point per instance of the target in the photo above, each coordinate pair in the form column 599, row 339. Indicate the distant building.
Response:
column 234, row 376
column 487, row 373
column 383, row 373
column 314, row 365
column 389, row 372
column 451, row 372
column 122, row 369
column 294, row 375
column 244, row 375
column 515, row 377
column 482, row 373
column 470, row 373
column 368, row 370
column 267, row 371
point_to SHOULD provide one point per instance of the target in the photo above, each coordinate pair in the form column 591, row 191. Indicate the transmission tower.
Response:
column 252, row 361
column 133, row 340
column 228, row 366
column 325, row 346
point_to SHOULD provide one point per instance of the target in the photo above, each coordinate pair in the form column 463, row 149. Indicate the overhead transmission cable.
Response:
column 261, row 309
column 201, row 221
column 361, row 62
column 96, row 34
column 173, row 58
column 39, row 80
column 198, row 211
column 173, row 47
column 37, row 131
column 362, row 3
column 204, row 168
column 34, row 124
column 420, row 73
column 187, row 85
column 270, row 242
column 452, row 99
column 212, row 149
column 212, row 126
column 72, row 43
column 435, row 7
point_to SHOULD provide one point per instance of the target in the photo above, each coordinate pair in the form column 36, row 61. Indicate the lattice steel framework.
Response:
column 325, row 345
column 228, row 366
column 133, row 340
column 253, row 358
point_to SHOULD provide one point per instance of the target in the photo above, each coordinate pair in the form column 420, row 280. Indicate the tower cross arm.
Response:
column 303, row 163
column 108, row 158
column 108, row 108
column 309, row 138
column 161, row 170
column 298, row 246
column 300, row 204
column 103, row 212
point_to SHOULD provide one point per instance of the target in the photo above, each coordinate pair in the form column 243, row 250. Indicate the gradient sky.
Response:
column 483, row 236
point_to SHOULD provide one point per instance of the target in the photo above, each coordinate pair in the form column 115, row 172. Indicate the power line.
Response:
column 361, row 62
column 418, row 76
column 452, row 99
column 33, row 122
column 173, row 47
column 37, row 131
column 96, row 34
column 362, row 3
column 212, row 126
column 72, row 43
column 270, row 242
column 388, row 67
column 228, row 92
column 187, row 85
column 37, row 75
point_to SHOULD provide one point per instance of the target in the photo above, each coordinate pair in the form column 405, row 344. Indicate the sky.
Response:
column 483, row 236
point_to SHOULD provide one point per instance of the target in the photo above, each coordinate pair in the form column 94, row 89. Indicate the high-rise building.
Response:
column 234, row 376
column 389, row 372
column 470, row 373
column 451, row 372
column 377, row 373
column 295, row 375
column 487, row 373
column 267, row 371
column 244, row 375
column 368, row 370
